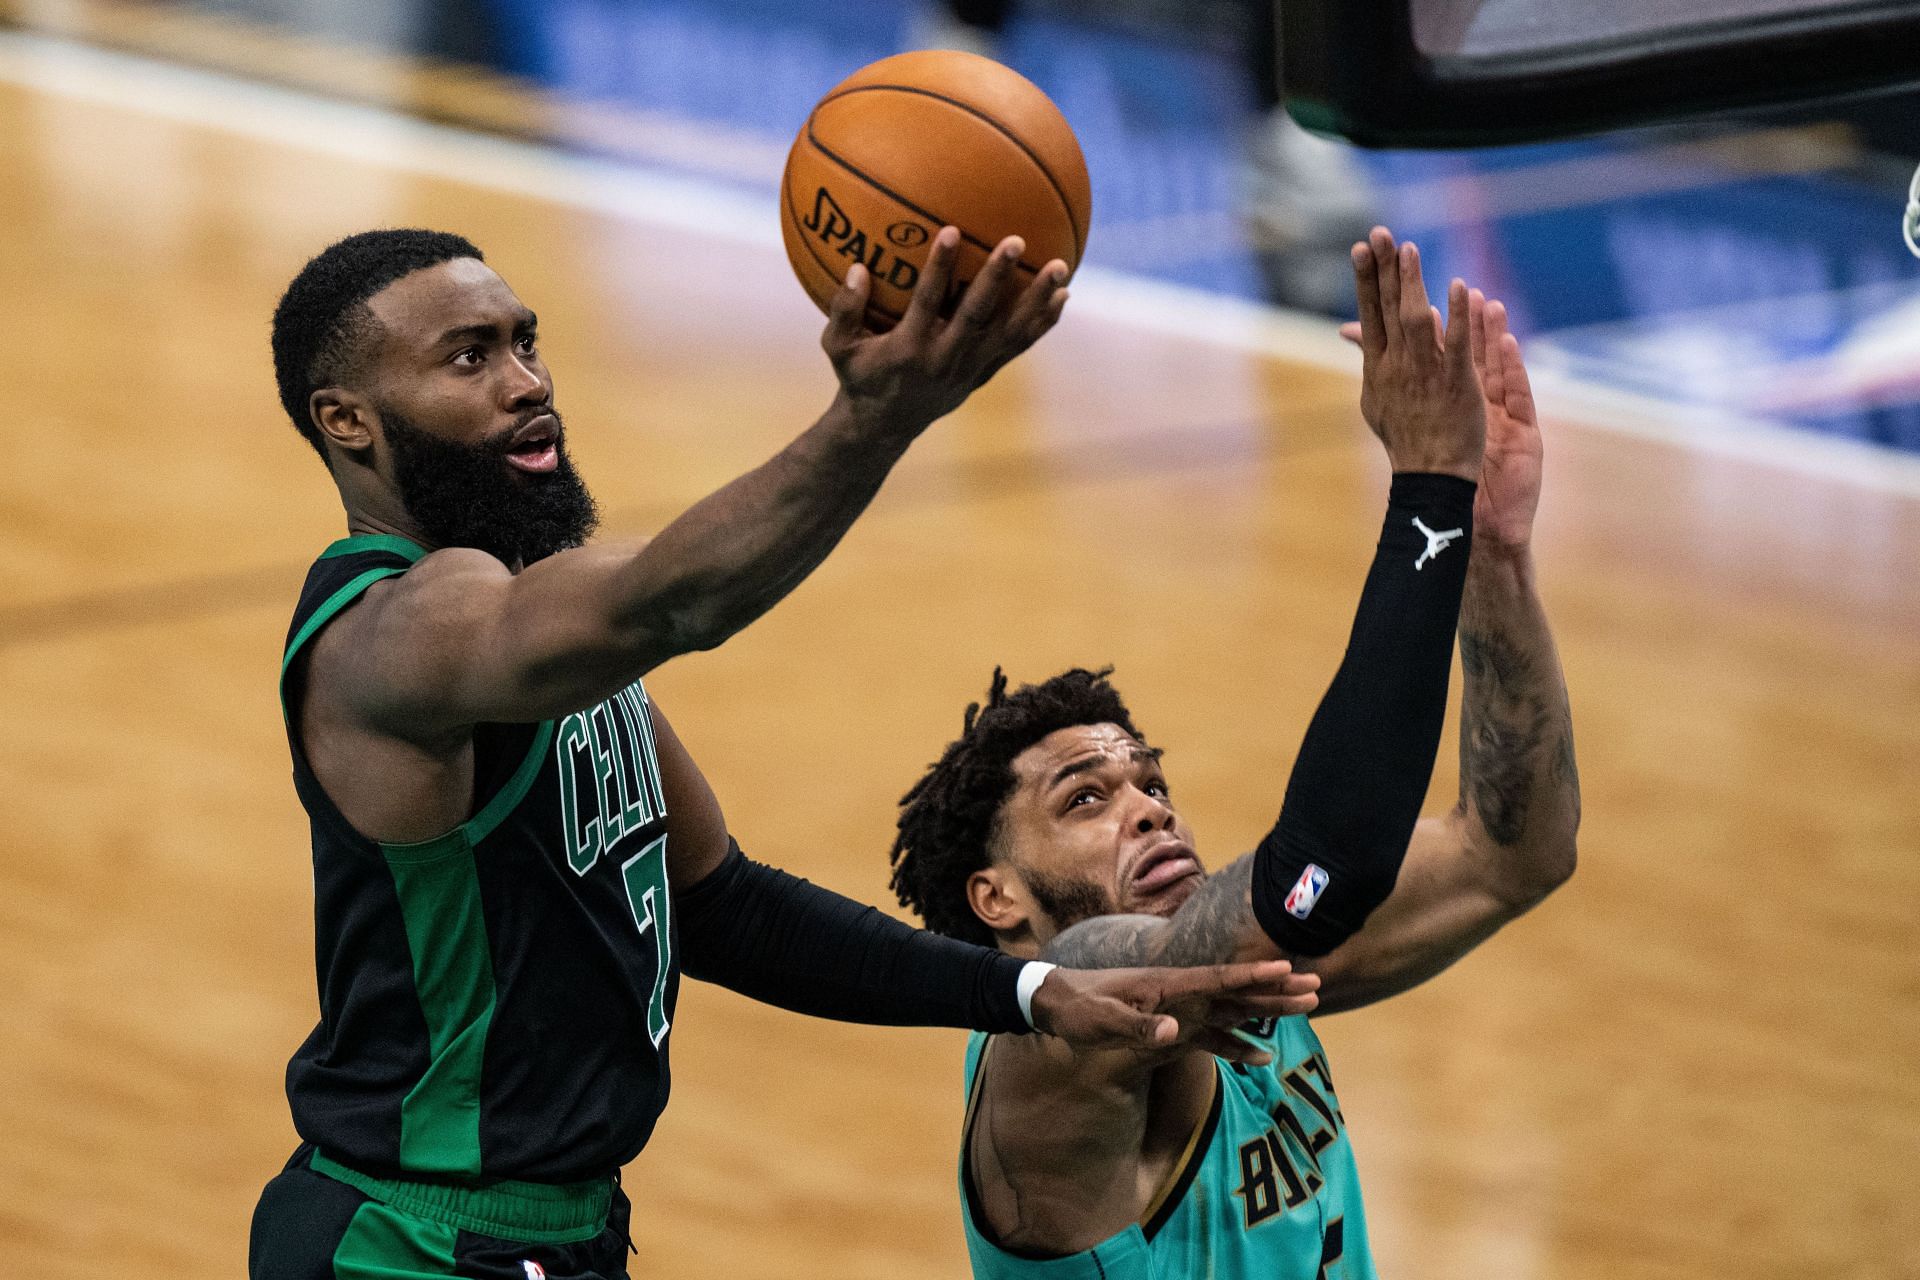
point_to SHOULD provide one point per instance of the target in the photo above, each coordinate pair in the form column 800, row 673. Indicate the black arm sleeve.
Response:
column 775, row 937
column 1364, row 766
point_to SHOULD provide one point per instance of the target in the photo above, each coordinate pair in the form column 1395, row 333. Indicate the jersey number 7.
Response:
column 645, row 874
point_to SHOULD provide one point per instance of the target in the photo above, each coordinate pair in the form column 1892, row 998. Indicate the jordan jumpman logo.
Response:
column 1436, row 542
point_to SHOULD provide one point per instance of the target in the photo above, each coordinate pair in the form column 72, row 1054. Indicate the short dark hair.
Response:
column 948, row 821
column 322, row 322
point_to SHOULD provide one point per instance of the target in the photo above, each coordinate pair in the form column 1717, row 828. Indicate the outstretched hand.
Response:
column 925, row 366
column 1418, row 392
column 1153, row 1010
column 1509, row 493
column 1510, row 473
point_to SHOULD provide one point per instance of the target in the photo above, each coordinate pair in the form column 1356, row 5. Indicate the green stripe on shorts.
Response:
column 381, row 1243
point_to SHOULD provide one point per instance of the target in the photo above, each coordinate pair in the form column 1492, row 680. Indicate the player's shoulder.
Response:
column 384, row 567
column 1288, row 1041
column 441, row 591
column 1294, row 1038
column 1265, row 1032
column 455, row 564
column 377, row 650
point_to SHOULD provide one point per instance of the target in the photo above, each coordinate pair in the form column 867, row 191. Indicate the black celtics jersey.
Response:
column 493, row 1002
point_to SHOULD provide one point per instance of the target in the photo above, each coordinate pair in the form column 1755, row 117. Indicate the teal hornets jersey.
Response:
column 1267, row 1189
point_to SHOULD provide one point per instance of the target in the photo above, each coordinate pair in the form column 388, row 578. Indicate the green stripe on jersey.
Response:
column 382, row 1243
column 439, row 890
column 360, row 542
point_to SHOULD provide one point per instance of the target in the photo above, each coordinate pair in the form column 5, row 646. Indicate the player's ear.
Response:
column 344, row 419
column 1000, row 899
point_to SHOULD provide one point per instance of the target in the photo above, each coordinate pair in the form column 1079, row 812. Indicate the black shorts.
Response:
column 312, row 1226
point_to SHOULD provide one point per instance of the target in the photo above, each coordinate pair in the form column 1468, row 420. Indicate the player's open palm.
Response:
column 1418, row 389
column 1159, row 1009
column 927, row 364
column 1509, row 493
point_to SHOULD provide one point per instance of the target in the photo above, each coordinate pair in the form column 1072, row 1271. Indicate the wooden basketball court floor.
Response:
column 1700, row 1059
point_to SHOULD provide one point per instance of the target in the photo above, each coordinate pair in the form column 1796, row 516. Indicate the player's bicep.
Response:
column 408, row 658
column 384, row 662
column 1441, row 907
column 461, row 640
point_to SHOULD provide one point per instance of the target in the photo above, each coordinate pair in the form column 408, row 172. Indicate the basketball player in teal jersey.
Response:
column 1048, row 828
column 514, row 857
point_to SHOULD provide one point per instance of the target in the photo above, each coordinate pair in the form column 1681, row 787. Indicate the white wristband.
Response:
column 1031, row 977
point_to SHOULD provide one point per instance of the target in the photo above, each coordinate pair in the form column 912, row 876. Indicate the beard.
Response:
column 469, row 495
column 1068, row 901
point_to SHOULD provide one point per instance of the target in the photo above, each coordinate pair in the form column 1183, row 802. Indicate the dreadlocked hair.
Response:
column 948, row 820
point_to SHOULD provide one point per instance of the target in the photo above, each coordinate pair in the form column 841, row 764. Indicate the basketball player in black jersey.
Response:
column 514, row 857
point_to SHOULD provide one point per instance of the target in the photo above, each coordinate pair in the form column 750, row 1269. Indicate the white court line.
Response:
column 373, row 135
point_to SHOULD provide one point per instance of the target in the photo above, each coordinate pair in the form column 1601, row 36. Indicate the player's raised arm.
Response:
column 465, row 637
column 1363, row 767
column 1510, row 841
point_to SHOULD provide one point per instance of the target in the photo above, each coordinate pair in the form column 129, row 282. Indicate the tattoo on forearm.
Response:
column 1209, row 926
column 1488, row 656
column 1502, row 748
column 1207, row 929
column 1107, row 942
column 1505, row 718
column 1566, row 770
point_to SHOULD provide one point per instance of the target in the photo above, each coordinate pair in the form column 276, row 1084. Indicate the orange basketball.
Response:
column 918, row 141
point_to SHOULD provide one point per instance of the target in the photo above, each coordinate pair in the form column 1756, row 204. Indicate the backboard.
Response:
column 1440, row 73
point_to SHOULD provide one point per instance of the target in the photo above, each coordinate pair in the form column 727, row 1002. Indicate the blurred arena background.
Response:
column 1697, row 1060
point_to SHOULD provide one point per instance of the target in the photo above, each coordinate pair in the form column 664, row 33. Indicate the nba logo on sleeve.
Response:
column 1306, row 891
